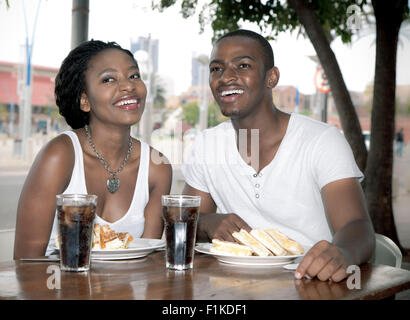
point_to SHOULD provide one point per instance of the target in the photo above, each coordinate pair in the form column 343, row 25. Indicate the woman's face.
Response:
column 114, row 91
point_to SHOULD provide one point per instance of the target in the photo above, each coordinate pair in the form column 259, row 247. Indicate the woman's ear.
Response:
column 273, row 75
column 84, row 103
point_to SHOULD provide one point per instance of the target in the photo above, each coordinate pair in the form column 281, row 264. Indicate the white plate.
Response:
column 250, row 260
column 137, row 248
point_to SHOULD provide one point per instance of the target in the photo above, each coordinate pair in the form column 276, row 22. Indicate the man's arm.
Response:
column 212, row 225
column 353, row 240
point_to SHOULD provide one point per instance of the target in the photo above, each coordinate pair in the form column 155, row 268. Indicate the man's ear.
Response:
column 272, row 77
column 84, row 103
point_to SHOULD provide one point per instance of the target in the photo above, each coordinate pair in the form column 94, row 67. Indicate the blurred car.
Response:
column 366, row 136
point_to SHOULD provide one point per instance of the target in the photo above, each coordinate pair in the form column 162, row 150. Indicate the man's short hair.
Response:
column 267, row 51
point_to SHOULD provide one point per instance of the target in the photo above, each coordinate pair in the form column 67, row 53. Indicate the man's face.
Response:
column 237, row 76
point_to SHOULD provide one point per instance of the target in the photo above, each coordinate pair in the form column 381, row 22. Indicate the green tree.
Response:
column 190, row 113
column 159, row 93
column 3, row 111
column 322, row 21
column 215, row 115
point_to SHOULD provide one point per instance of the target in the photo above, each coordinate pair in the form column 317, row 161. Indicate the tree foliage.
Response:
column 215, row 116
column 272, row 16
column 190, row 113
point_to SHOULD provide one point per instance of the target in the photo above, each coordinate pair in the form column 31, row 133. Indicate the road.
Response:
column 11, row 184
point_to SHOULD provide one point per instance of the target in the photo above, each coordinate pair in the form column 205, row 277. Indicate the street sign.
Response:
column 320, row 81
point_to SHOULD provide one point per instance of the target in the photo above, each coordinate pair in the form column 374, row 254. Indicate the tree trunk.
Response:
column 379, row 169
column 347, row 113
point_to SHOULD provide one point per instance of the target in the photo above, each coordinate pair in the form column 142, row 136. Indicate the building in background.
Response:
column 44, row 111
column 195, row 67
column 142, row 44
column 286, row 98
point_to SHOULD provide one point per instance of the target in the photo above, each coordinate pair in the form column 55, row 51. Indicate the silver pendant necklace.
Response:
column 113, row 183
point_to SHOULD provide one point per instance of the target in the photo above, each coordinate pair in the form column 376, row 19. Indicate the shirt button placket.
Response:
column 257, row 185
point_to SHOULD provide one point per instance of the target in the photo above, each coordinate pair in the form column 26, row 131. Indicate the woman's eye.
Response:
column 107, row 79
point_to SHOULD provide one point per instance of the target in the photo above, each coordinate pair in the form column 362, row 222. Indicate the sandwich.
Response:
column 290, row 245
column 96, row 236
column 269, row 242
column 244, row 238
column 105, row 238
column 230, row 248
column 110, row 240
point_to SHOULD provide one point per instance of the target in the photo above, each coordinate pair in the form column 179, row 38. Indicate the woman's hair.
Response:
column 70, row 80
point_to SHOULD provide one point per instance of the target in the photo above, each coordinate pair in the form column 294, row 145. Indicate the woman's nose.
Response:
column 126, row 85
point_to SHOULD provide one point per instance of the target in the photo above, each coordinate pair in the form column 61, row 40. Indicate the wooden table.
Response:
column 147, row 278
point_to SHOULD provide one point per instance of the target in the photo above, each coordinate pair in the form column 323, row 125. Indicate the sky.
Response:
column 179, row 39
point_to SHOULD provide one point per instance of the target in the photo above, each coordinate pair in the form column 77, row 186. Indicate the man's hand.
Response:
column 324, row 261
column 220, row 226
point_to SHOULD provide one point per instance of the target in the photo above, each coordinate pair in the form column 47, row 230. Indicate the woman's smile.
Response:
column 128, row 103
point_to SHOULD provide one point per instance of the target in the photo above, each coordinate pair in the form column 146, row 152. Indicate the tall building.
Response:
column 142, row 44
column 195, row 66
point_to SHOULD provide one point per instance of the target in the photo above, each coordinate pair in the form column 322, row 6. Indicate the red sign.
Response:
column 320, row 80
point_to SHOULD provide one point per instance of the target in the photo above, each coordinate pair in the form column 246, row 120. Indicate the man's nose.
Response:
column 229, row 75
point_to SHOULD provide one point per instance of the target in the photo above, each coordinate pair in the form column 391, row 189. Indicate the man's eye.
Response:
column 215, row 69
column 244, row 65
column 136, row 76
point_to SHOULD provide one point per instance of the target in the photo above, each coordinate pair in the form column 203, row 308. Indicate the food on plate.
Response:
column 231, row 248
column 292, row 246
column 246, row 239
column 263, row 237
column 106, row 238
column 259, row 242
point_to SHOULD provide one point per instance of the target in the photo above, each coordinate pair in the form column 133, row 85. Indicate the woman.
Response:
column 100, row 93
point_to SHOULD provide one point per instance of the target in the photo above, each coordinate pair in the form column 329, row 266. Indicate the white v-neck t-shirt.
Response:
column 133, row 221
column 286, row 193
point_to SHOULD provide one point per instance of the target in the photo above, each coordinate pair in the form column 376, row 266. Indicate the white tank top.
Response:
column 133, row 221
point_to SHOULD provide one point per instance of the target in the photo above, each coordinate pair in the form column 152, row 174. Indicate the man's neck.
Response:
column 269, row 123
column 262, row 135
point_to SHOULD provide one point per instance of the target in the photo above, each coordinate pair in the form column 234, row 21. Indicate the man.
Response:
column 301, row 178
column 399, row 140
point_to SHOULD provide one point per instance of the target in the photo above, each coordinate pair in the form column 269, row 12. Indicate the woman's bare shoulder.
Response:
column 160, row 166
column 57, row 153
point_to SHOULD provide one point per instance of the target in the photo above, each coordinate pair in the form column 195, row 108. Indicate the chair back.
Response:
column 386, row 252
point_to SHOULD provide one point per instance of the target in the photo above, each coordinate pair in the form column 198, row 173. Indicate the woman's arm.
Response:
column 160, row 179
column 49, row 175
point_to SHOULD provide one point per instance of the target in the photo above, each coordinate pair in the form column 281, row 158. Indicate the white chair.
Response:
column 386, row 252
